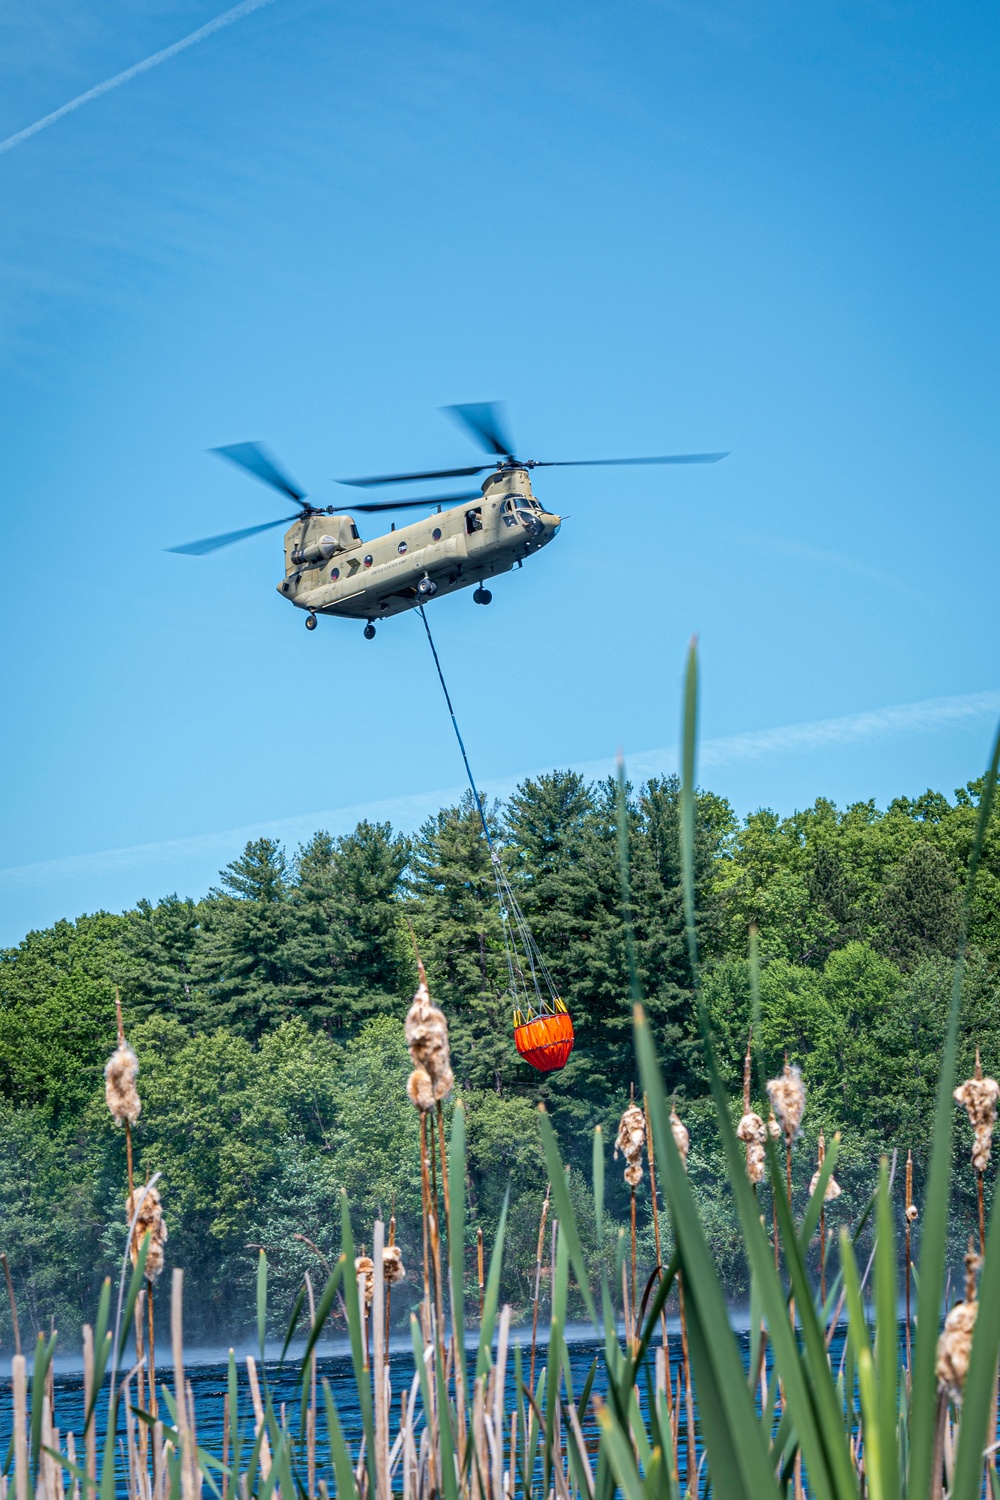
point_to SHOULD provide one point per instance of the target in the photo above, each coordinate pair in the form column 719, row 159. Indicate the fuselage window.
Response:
column 474, row 520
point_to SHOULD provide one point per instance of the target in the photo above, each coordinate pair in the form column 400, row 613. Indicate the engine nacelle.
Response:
column 341, row 536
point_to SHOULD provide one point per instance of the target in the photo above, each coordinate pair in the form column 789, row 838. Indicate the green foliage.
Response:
column 267, row 1018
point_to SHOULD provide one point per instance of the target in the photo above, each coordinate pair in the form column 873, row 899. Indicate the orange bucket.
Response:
column 545, row 1042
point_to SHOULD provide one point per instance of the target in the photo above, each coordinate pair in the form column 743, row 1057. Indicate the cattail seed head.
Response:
column 630, row 1140
column 753, row 1133
column 955, row 1343
column 427, row 1039
column 392, row 1264
column 682, row 1139
column 120, row 1073
column 980, row 1095
column 833, row 1188
column 788, row 1099
column 421, row 1090
column 151, row 1222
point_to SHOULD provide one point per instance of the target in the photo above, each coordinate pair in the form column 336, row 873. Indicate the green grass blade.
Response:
column 599, row 1184
column 824, row 1444
column 491, row 1297
column 43, row 1358
column 810, row 1218
column 923, row 1394
column 361, row 1376
column 721, row 1369
column 293, row 1322
column 456, row 1242
column 323, row 1307
column 977, row 1398
column 564, row 1210
column 616, row 1446
column 343, row 1469
column 887, row 1339
column 262, row 1306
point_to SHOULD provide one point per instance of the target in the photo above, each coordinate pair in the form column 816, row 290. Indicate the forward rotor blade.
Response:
column 374, row 479
column 255, row 458
column 424, row 500
column 213, row 543
column 594, row 463
column 485, row 421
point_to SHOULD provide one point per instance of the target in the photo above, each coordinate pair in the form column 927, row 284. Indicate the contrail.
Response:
column 173, row 860
column 226, row 19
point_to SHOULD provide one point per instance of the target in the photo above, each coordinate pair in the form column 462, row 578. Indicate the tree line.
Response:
column 267, row 1017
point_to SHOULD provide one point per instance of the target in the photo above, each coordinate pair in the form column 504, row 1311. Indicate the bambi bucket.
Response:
column 545, row 1042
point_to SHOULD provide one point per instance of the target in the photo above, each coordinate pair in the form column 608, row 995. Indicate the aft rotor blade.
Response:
column 213, row 543
column 591, row 463
column 373, row 479
column 485, row 421
column 424, row 500
column 255, row 458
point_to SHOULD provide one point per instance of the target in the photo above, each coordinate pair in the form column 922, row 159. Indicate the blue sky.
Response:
column 649, row 227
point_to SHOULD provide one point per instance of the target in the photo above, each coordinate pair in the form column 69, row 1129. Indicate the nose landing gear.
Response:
column 482, row 596
column 369, row 631
column 427, row 588
column 310, row 622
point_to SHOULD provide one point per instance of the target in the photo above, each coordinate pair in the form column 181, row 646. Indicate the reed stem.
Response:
column 538, row 1282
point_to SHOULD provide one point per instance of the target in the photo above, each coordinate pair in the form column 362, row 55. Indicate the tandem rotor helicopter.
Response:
column 330, row 570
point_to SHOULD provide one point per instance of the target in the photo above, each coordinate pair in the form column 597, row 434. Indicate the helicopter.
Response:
column 331, row 570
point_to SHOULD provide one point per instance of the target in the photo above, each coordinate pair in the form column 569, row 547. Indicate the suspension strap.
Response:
column 517, row 935
column 454, row 725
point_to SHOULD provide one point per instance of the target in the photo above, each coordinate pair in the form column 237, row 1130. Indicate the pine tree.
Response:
column 161, row 942
column 347, row 953
column 242, row 958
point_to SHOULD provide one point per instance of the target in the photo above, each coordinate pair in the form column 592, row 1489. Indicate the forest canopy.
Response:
column 267, row 1017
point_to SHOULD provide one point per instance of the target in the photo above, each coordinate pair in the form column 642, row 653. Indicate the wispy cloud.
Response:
column 227, row 18
column 161, row 866
column 788, row 547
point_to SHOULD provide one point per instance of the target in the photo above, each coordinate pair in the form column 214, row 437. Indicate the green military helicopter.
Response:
column 330, row 570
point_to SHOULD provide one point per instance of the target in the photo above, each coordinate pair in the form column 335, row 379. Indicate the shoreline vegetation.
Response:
column 890, row 1411
column 267, row 1021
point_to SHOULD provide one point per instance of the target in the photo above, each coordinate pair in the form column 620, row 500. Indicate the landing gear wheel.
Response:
column 369, row 631
column 310, row 622
column 427, row 588
column 482, row 596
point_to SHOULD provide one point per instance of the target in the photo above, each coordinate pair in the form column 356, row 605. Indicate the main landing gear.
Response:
column 369, row 631
column 310, row 622
column 427, row 588
column 482, row 596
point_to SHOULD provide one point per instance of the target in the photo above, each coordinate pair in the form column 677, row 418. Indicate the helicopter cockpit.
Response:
column 522, row 510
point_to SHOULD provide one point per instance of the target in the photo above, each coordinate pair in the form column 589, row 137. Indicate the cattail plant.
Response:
column 787, row 1094
column 979, row 1095
column 751, row 1130
column 431, row 1081
column 630, row 1140
column 909, row 1218
column 830, row 1193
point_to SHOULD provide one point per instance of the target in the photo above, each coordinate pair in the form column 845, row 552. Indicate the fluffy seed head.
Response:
column 788, row 1098
column 151, row 1222
column 421, row 1089
column 427, row 1038
column 979, row 1095
column 120, row 1073
column 833, row 1188
column 682, row 1139
column 911, row 1212
column 753, row 1133
column 954, row 1347
column 630, row 1140
column 392, row 1264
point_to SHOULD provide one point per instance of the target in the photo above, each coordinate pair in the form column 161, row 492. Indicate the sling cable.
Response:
column 543, row 1027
